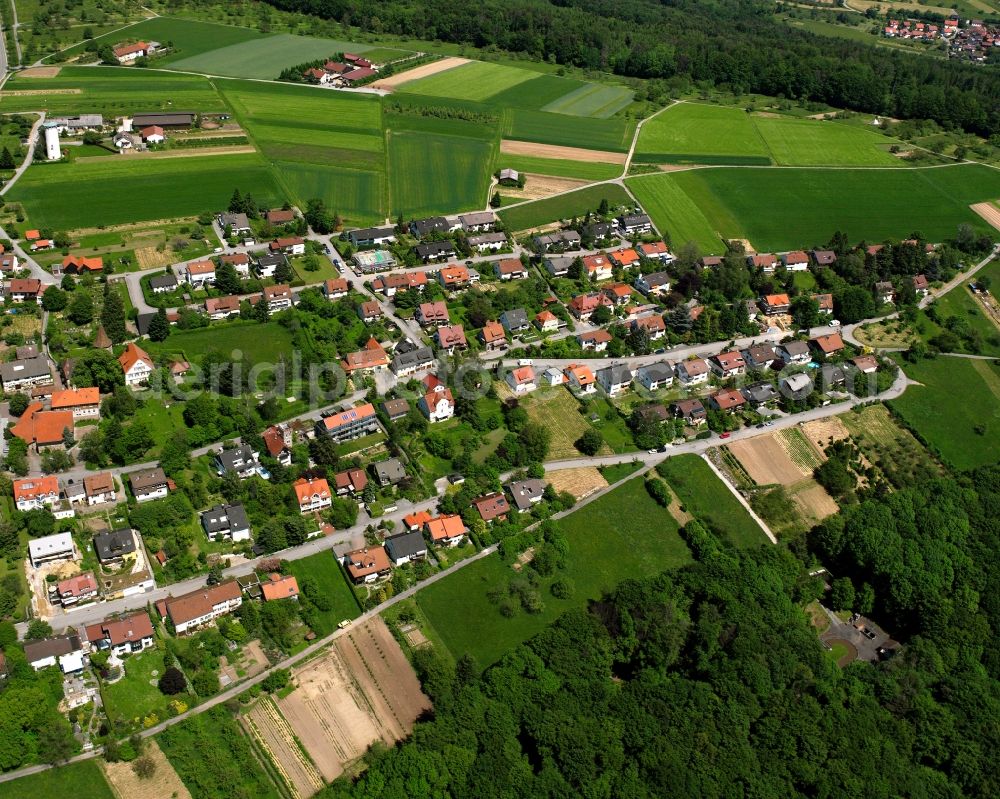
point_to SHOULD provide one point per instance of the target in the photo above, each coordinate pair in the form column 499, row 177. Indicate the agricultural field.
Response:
column 110, row 91
column 694, row 133
column 592, row 100
column 232, row 770
column 360, row 690
column 703, row 495
column 613, row 134
column 82, row 780
column 357, row 196
column 558, row 167
column 265, row 58
column 165, row 783
column 332, row 584
column 809, row 142
column 806, row 206
column 269, row 342
column 558, row 411
column 81, row 195
column 475, row 80
column 271, row 731
column 602, row 552
column 565, row 206
column 889, row 447
column 674, row 213
column 579, row 482
column 964, row 434
column 430, row 174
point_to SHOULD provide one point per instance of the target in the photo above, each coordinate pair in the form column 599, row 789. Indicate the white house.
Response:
column 201, row 606
column 33, row 493
column 51, row 547
column 693, row 372
column 136, row 364
column 521, row 380
column 437, row 404
column 796, row 261
column 312, row 494
column 615, row 379
column 199, row 273
column 655, row 376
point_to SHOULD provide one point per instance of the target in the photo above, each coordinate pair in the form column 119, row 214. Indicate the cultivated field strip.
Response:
column 272, row 732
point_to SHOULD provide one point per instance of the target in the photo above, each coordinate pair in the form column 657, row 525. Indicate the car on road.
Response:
column 344, row 623
column 725, row 435
column 651, row 452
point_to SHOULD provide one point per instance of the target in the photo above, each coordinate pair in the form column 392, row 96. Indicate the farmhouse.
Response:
column 50, row 548
column 228, row 522
column 73, row 591
column 615, row 379
column 202, row 606
column 404, row 547
column 154, row 134
column 124, row 636
column 367, row 565
column 446, row 530
column 510, row 269
column 80, row 264
column 654, row 376
column 161, row 284
column 127, row 53
column 693, row 372
column 372, row 358
column 312, row 494
column 368, row 236
column 83, row 403
column 42, row 428
column 348, row 425
column 478, row 222
column 34, row 493
column 149, row 484
column 26, row 373
column 136, row 364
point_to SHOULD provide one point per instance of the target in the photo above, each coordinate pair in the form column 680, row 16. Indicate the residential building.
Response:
column 35, row 493
column 615, row 379
column 437, row 404
column 350, row 481
column 373, row 358
column 235, row 224
column 547, row 322
column 655, row 376
column 596, row 341
column 526, row 493
column 289, row 245
column 510, row 269
column 228, row 522
column 425, row 227
column 279, row 216
column 885, row 292
column 599, row 231
column 396, row 409
column 866, row 364
column 653, row 325
column 219, row 308
column 161, row 284
column 26, row 373
column 404, row 547
column 83, row 403
column 796, row 386
column 389, row 472
column 711, row 261
column 656, row 251
column 63, row 651
column 199, row 273
column 368, row 236
column 582, row 306
column 50, row 548
column 446, row 530
column 369, row 311
column 434, row 251
column 827, row 345
column 336, row 288
column 278, row 297
column 776, row 304
column 412, row 361
column 728, row 364
column 374, row 261
column 795, row 352
column 597, row 267
column 561, row 240
column 433, row 313
column 653, row 284
column 690, row 410
column 727, row 400
column 43, row 428
column 348, row 425
column 416, row 520
column 618, row 293
column 268, row 264
column 25, row 290
column 451, row 338
column 149, row 484
column 136, row 364
column 581, row 378
column 921, row 286
column 125, row 636
column 558, row 265
column 279, row 586
column 693, row 372
column 758, row 394
column 242, row 460
column 515, row 320
column 759, row 356
column 831, row 375
column 390, row 285
column 625, row 258
column 454, row 277
column 77, row 590
column 492, row 507
column 99, row 488
column 312, row 494
column 521, row 380
column 767, row 262
column 367, row 565
column 202, row 606
column 824, row 303
column 478, row 222
column 824, row 257
column 278, row 441
column 493, row 337
column 487, row 242
column 81, row 264
column 631, row 224
column 795, row 261
column 115, row 546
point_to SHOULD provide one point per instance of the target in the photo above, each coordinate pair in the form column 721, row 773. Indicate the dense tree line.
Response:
column 734, row 44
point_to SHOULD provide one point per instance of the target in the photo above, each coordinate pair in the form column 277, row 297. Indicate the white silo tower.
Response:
column 52, row 150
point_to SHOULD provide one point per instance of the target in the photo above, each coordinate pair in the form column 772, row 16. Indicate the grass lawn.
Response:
column 82, row 780
column 477, row 80
column 806, row 206
column 258, row 343
column 811, row 142
column 695, row 133
column 948, row 426
column 86, row 194
column 326, row 270
column 430, row 174
column 705, row 497
column 161, row 420
column 619, row 470
column 558, row 411
column 136, row 695
column 603, row 552
column 324, row 569
column 674, row 213
column 565, row 206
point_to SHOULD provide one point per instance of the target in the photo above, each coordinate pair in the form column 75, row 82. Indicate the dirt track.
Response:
column 392, row 82
column 38, row 92
column 538, row 187
column 193, row 152
column 989, row 212
column 360, row 690
column 535, row 150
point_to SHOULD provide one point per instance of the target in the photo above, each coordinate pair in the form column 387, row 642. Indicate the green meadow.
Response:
column 592, row 100
column 965, row 434
column 602, row 553
column 563, row 206
column 811, row 142
column 437, row 174
column 674, row 213
column 695, row 133
column 559, row 167
column 332, row 583
column 787, row 208
column 119, row 190
column 83, row 780
column 614, row 135
column 268, row 343
column 476, row 80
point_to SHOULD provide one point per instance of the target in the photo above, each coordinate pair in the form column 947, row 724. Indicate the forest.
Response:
column 730, row 44
column 710, row 682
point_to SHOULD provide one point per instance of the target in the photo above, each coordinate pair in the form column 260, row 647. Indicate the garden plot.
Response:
column 165, row 783
column 559, row 412
column 266, row 725
column 361, row 690
column 579, row 482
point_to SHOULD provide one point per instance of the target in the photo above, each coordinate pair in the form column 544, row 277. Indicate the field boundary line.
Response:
column 742, row 500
